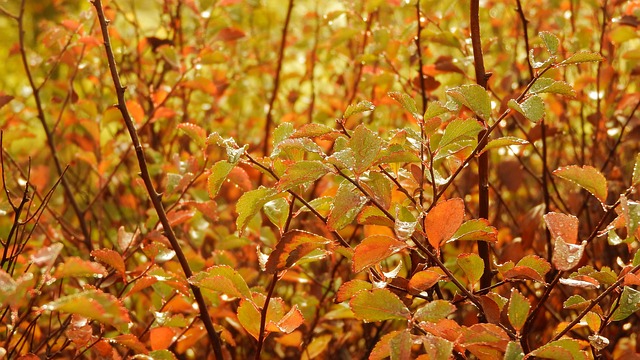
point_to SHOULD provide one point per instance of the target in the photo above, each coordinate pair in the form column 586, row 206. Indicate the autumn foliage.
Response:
column 418, row 179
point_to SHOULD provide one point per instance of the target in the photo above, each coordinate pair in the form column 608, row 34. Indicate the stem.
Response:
column 526, row 36
column 263, row 314
column 483, row 159
column 155, row 197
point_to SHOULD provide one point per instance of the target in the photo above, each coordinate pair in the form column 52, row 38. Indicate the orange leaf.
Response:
column 443, row 221
column 374, row 249
column 136, row 111
column 161, row 337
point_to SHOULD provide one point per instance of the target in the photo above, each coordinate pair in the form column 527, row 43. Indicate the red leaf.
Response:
column 111, row 258
column 563, row 225
column 230, row 34
column 443, row 221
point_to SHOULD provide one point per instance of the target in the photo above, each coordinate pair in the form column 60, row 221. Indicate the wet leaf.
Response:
column 301, row 172
column 518, row 309
column 567, row 256
column 292, row 247
column 92, row 304
column 219, row 172
column 250, row 204
column 474, row 97
column 358, row 108
column 582, row 57
column 443, row 220
column 532, row 108
column 587, row 177
column 378, row 305
column 628, row 304
column 375, row 249
column 562, row 225
column 224, row 279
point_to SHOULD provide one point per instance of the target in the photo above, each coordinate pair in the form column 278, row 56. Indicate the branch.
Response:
column 146, row 177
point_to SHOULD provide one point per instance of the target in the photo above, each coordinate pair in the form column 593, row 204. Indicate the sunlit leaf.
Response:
column 518, row 309
column 551, row 42
column 132, row 342
column 288, row 323
column 631, row 215
column 472, row 265
column 92, row 304
column 407, row 103
column 502, row 142
column 435, row 108
column 77, row 267
column 358, row 108
column 434, row 311
column 366, row 146
column 46, row 256
column 476, row 229
column 224, row 279
column 400, row 346
column 532, row 108
column 249, row 317
column 459, row 129
column 423, row 280
column 540, row 265
column 350, row 288
column 567, row 256
column 312, row 130
column 347, row 203
column 587, row 177
column 628, row 304
column 378, row 305
column 293, row 246
column 582, row 57
column 547, row 85
column 635, row 180
column 111, row 258
column 443, row 220
column 195, row 132
column 301, row 172
column 382, row 349
column 514, row 351
column 219, row 173
column 575, row 302
column 474, row 97
column 374, row 249
column 277, row 210
column 562, row 225
column 564, row 349
column 250, row 204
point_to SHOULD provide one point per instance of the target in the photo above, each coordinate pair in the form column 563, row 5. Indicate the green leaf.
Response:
column 504, row 141
column 407, row 103
column 437, row 348
column 540, row 265
column 382, row 349
column 159, row 355
column 587, row 177
column 224, row 279
column 628, row 304
column 472, row 265
column 292, row 247
column 400, row 346
column 567, row 256
column 514, row 351
column 249, row 317
column 582, row 57
column 631, row 215
column 547, row 85
column 459, row 129
column 562, row 225
column 76, row 267
column 281, row 133
column 532, row 108
column 301, row 172
column 366, row 146
column 635, row 180
column 443, row 220
column 551, row 42
column 378, row 305
column 518, row 310
column 477, row 230
column 195, row 132
column 219, row 173
column 250, row 204
column 474, row 97
column 374, row 249
column 350, row 288
column 575, row 302
column 312, row 130
column 434, row 311
column 435, row 108
column 564, row 349
column 92, row 304
column 111, row 258
column 346, row 206
column 358, row 108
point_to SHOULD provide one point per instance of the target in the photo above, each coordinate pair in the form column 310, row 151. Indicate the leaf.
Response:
column 358, row 108
column 224, row 279
column 532, row 108
column 547, row 85
column 434, row 311
column 366, row 146
column 514, row 351
column 540, row 265
column 382, row 349
column 277, row 210
column 5, row 99
column 443, row 220
column 76, row 267
column 195, row 132
column 476, row 230
column 249, row 317
column 587, row 177
column 635, row 180
column 347, row 203
column 575, row 302
column 628, row 304
column 631, row 215
column 422, row 281
column 219, row 172
column 459, row 129
column 472, row 265
column 46, row 256
column 111, row 258
column 486, row 341
column 288, row 323
column 374, row 249
column 293, row 246
column 350, row 288
column 92, row 304
column 435, row 108
column 132, row 342
column 564, row 349
column 407, row 103
column 562, row 225
column 312, row 130
column 567, row 256
column 250, row 204
column 518, row 309
column 400, row 346
column 301, row 172
column 474, row 97
column 378, row 305
column 161, row 337
column 502, row 142
column 551, row 42
column 582, row 57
